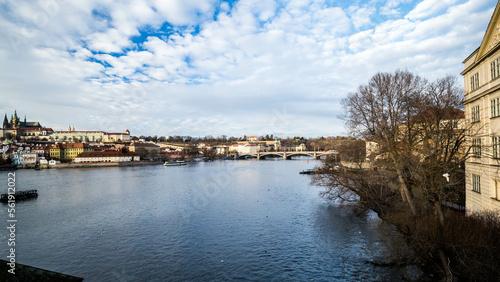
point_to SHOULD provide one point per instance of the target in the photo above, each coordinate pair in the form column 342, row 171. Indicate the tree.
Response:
column 142, row 152
column 379, row 108
column 416, row 125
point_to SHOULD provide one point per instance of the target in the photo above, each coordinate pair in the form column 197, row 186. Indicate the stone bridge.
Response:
column 288, row 155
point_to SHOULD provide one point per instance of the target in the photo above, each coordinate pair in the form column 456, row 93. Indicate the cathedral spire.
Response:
column 5, row 122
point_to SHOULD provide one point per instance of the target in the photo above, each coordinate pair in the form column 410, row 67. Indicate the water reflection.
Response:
column 232, row 220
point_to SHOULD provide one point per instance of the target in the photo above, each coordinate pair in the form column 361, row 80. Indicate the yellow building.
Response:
column 482, row 113
column 68, row 151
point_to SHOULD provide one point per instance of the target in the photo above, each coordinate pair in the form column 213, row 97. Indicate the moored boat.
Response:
column 20, row 195
column 176, row 163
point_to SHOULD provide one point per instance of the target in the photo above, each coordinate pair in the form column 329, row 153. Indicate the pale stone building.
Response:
column 482, row 113
column 145, row 150
column 72, row 135
column 107, row 156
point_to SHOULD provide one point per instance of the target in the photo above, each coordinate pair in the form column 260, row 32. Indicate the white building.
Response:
column 90, row 136
column 106, row 156
column 221, row 150
column 242, row 149
column 54, row 162
column 29, row 159
column 482, row 112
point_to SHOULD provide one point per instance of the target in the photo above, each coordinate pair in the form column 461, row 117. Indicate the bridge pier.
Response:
column 284, row 156
column 258, row 156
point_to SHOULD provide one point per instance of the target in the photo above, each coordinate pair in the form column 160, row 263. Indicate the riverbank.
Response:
column 101, row 164
column 30, row 273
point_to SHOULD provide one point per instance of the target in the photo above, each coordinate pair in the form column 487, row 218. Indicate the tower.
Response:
column 15, row 121
column 5, row 122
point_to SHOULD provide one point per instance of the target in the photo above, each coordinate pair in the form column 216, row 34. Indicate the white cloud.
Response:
column 229, row 77
column 391, row 7
column 361, row 16
column 111, row 41
column 428, row 8
column 185, row 12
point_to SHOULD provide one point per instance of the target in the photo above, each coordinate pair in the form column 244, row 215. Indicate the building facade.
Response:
column 15, row 122
column 145, row 150
column 68, row 151
column 482, row 115
column 72, row 135
column 106, row 156
column 15, row 127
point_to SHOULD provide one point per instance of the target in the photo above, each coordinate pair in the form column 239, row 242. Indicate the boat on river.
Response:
column 20, row 195
column 8, row 167
column 175, row 163
column 308, row 171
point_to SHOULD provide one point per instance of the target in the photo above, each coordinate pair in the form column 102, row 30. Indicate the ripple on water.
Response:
column 224, row 221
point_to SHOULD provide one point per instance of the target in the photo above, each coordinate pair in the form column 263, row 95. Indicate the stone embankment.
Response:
column 102, row 164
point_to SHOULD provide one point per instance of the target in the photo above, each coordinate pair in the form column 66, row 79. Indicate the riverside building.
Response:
column 482, row 114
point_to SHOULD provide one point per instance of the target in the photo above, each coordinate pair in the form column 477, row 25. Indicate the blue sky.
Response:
column 193, row 67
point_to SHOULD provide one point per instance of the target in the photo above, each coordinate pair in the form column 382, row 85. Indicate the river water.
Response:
column 216, row 221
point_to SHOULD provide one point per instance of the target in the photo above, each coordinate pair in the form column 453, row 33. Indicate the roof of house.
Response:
column 79, row 132
column 448, row 113
column 119, row 133
column 144, row 145
column 69, row 145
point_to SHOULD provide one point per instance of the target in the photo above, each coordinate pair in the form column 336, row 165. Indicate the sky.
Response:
column 211, row 67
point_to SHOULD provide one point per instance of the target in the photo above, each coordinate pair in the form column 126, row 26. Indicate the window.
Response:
column 474, row 81
column 476, row 183
column 495, row 68
column 496, row 147
column 495, row 107
column 475, row 113
column 496, row 193
column 476, row 147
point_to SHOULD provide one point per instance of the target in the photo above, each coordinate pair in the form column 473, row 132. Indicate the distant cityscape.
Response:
column 28, row 144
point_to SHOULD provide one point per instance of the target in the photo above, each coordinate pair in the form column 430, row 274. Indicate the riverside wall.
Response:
column 102, row 164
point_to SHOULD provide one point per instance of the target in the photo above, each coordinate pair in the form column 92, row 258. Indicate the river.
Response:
column 215, row 221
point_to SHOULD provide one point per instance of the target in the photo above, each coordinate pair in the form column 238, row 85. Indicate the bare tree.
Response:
column 378, row 109
column 421, row 133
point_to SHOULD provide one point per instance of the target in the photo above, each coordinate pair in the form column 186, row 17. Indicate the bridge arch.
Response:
column 288, row 155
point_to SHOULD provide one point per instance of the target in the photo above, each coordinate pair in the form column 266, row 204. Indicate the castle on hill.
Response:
column 22, row 129
column 15, row 122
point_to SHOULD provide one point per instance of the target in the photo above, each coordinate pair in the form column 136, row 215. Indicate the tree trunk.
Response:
column 447, row 270
column 442, row 254
column 405, row 194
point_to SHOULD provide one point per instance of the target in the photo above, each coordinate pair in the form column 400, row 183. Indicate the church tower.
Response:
column 5, row 122
column 15, row 120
